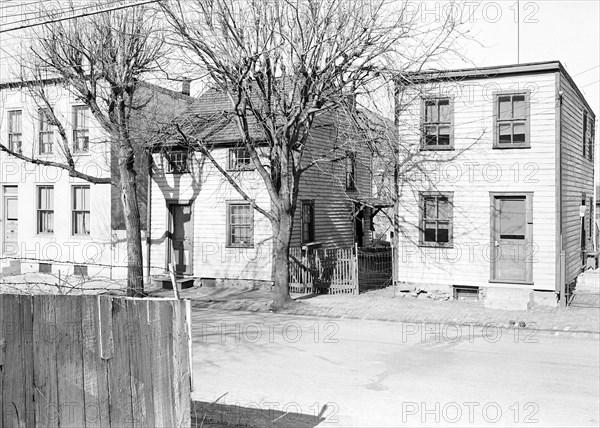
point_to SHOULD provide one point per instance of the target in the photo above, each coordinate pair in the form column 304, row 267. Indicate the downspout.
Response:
column 148, row 215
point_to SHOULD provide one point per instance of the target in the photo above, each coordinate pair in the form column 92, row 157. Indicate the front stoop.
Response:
column 164, row 282
column 508, row 299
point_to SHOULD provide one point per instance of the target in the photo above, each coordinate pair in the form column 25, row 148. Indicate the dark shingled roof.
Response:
column 210, row 119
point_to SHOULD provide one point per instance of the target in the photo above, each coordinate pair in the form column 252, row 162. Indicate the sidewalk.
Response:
column 383, row 305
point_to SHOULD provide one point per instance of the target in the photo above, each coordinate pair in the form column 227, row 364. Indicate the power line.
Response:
column 81, row 15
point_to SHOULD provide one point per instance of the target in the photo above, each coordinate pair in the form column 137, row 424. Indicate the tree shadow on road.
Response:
column 254, row 415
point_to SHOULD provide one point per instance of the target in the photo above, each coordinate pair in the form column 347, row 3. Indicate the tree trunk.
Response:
column 282, row 233
column 135, row 282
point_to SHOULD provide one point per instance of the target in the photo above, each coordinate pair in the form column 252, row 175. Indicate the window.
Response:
column 350, row 171
column 588, row 136
column 81, row 131
column 437, row 124
column 81, row 210
column 240, row 226
column 511, row 121
column 80, row 270
column 45, row 209
column 239, row 159
column 15, row 130
column 308, row 221
column 45, row 267
column 436, row 219
column 177, row 161
column 46, row 132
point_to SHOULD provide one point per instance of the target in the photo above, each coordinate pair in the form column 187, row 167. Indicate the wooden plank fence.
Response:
column 87, row 361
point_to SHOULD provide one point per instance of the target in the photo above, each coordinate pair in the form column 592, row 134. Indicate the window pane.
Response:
column 443, row 209
column 444, row 111
column 519, row 107
column 430, row 208
column 431, row 112
column 429, row 233
column 431, row 135
column 442, row 232
column 518, row 132
column 12, row 209
column 512, row 217
column 505, row 133
column 444, row 137
column 504, row 108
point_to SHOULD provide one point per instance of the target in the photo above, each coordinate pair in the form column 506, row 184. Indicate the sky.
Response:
column 568, row 31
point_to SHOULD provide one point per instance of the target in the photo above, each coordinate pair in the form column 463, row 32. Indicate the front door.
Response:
column 11, row 221
column 180, row 233
column 510, row 237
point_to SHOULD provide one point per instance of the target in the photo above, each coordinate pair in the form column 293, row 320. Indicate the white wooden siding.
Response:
column 477, row 170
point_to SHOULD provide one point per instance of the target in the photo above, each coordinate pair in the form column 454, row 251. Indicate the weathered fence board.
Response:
column 93, row 361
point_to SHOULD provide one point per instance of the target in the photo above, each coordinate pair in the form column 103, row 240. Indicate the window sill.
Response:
column 81, row 236
column 239, row 246
column 177, row 172
column 437, row 148
column 240, row 169
column 45, row 234
column 515, row 281
column 512, row 146
column 436, row 245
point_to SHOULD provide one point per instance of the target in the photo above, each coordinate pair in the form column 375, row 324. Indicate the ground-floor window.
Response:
column 435, row 226
column 240, row 224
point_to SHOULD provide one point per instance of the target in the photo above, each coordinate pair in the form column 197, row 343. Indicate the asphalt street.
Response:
column 269, row 369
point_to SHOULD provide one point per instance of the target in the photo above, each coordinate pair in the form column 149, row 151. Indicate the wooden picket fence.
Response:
column 340, row 270
column 327, row 270
column 93, row 361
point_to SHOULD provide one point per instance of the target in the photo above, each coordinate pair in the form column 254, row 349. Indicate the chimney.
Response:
column 185, row 86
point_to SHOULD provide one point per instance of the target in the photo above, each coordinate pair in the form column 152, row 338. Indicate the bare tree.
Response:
column 101, row 59
column 282, row 63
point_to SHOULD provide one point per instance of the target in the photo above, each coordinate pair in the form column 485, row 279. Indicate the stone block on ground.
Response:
column 508, row 299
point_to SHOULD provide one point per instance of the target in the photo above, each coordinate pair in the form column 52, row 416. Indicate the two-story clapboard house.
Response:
column 503, row 207
column 51, row 222
column 203, row 225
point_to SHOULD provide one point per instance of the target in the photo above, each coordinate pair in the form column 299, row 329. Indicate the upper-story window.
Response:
column 46, row 132
column 350, row 170
column 591, row 140
column 511, row 121
column 437, row 124
column 177, row 160
column 15, row 130
column 239, row 159
column 81, row 130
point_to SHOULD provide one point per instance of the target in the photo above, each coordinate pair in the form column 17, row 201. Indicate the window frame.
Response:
column 40, row 211
column 229, row 226
column 423, row 196
column 589, row 137
column 185, row 163
column 232, row 160
column 527, row 119
column 350, row 170
column 12, row 133
column 48, row 129
column 311, row 231
column 77, row 129
column 423, row 123
column 75, row 211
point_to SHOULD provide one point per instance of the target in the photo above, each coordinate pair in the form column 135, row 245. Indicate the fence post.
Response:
column 174, row 280
column 355, row 270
